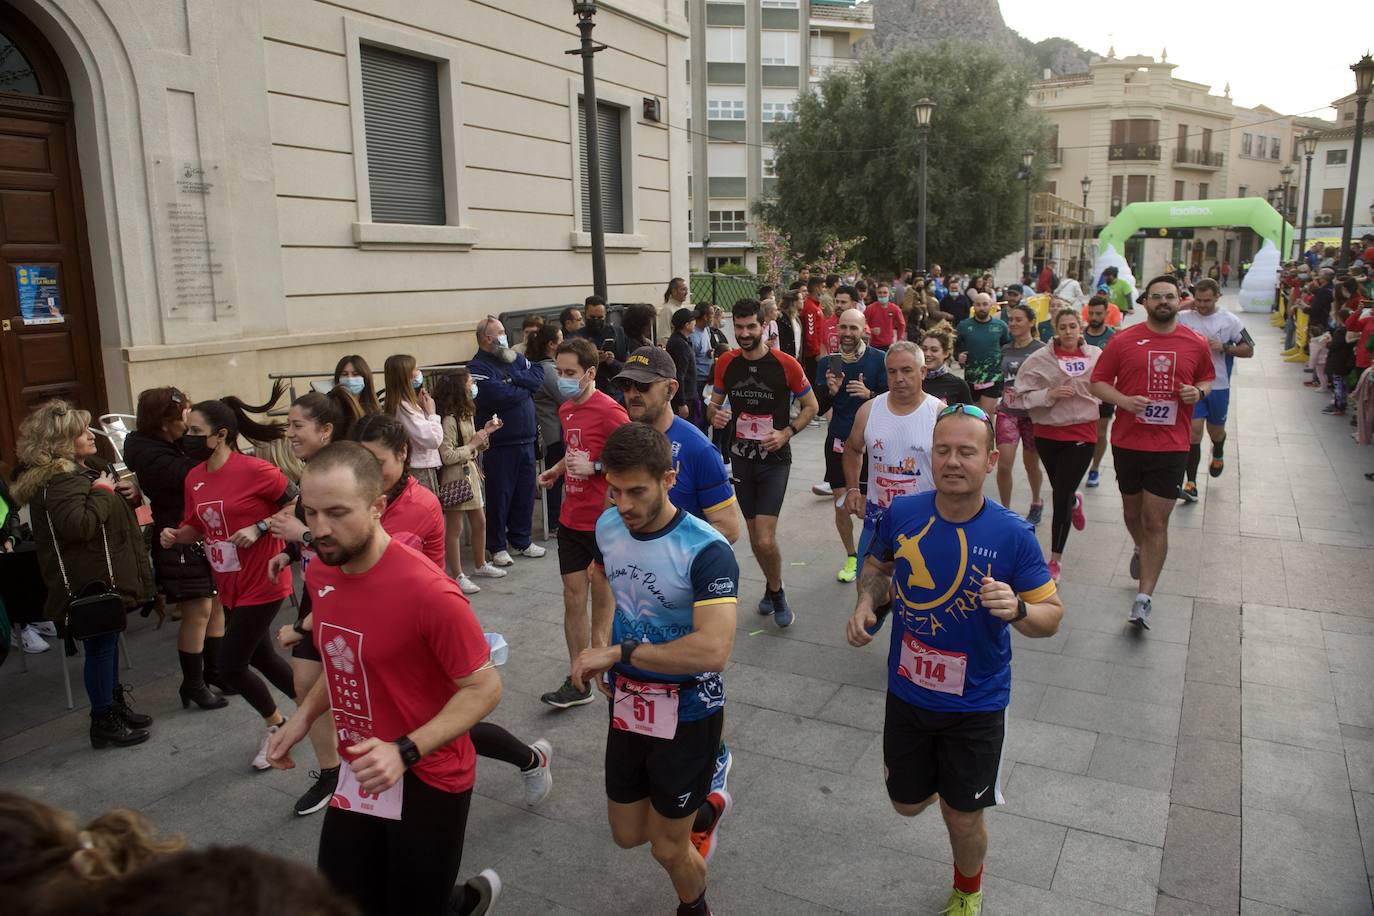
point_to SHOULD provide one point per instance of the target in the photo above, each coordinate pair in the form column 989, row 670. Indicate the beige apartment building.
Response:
column 1141, row 134
column 200, row 192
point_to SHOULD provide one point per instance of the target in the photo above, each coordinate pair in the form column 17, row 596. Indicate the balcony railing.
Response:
column 1133, row 151
column 842, row 12
column 1056, row 155
column 818, row 68
column 1199, row 157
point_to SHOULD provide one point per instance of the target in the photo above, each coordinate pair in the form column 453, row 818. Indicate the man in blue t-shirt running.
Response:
column 962, row 570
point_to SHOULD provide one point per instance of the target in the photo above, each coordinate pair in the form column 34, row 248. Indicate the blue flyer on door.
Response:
column 40, row 300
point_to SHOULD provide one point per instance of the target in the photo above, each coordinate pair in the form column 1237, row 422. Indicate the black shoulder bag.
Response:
column 98, row 610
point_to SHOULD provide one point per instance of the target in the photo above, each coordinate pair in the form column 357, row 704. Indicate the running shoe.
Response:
column 1093, row 480
column 567, row 696
column 1334, row 411
column 260, row 761
column 467, row 585
column 766, row 607
column 782, row 611
column 822, row 489
column 1135, row 564
column 721, row 772
column 849, row 571
column 961, row 903
column 32, row 643
column 539, row 780
column 1140, row 613
column 705, row 841
column 317, row 797
column 1054, row 570
column 1188, row 492
column 533, row 551
column 813, row 424
column 476, row 896
column 502, row 558
column 1080, row 521
column 488, row 571
column 1216, row 465
column 45, row 628
column 1037, row 511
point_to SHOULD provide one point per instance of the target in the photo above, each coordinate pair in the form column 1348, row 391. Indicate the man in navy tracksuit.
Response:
column 506, row 383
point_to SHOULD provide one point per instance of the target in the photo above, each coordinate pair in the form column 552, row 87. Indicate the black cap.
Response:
column 683, row 316
column 649, row 364
column 1015, row 288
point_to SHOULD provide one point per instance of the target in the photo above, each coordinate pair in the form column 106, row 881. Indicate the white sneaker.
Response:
column 31, row 641
column 502, row 558
column 534, row 552
column 45, row 628
column 822, row 489
column 260, row 761
column 467, row 585
column 487, row 571
column 813, row 424
column 539, row 781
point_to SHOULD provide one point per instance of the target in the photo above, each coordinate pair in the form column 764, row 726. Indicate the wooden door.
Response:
column 48, row 328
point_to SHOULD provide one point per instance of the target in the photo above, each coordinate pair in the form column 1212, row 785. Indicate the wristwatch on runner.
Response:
column 1020, row 610
column 308, row 538
column 410, row 754
column 262, row 526
column 627, row 648
column 596, row 467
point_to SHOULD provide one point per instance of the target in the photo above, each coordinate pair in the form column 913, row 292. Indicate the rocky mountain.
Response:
column 904, row 23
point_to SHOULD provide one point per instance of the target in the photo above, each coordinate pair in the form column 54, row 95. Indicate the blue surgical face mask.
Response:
column 472, row 389
column 502, row 342
column 418, row 381
column 354, row 383
column 569, row 387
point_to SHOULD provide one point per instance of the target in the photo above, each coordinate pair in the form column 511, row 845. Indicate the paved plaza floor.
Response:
column 1221, row 763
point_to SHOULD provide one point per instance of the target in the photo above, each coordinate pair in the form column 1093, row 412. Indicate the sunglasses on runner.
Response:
column 975, row 412
column 625, row 385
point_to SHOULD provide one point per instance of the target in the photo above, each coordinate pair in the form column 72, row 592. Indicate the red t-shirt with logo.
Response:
column 586, row 427
column 218, row 503
column 1139, row 361
column 813, row 321
column 831, row 343
column 394, row 639
column 886, row 324
column 415, row 519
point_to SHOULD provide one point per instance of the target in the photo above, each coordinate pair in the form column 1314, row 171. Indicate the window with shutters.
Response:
column 609, row 157
column 404, row 116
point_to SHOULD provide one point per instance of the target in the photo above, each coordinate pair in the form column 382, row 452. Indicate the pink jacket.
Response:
column 1042, row 371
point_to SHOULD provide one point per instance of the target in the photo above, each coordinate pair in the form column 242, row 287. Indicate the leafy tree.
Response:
column 849, row 164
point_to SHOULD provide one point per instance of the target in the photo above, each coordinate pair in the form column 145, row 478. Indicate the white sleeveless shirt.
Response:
column 899, row 450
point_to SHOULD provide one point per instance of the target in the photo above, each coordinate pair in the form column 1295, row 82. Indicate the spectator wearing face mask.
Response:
column 608, row 339
column 355, row 375
column 408, row 401
column 886, row 323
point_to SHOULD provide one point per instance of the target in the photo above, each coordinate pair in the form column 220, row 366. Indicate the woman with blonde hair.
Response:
column 84, row 525
column 406, row 399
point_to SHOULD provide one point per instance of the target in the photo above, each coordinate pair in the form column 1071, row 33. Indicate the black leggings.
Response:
column 1065, row 464
column 493, row 741
column 247, row 641
column 398, row 868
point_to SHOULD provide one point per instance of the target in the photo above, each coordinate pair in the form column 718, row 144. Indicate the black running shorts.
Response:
column 674, row 774
column 760, row 486
column 576, row 550
column 1160, row 473
column 834, row 468
column 306, row 649
column 957, row 755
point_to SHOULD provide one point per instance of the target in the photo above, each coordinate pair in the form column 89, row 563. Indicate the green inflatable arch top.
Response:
column 1179, row 214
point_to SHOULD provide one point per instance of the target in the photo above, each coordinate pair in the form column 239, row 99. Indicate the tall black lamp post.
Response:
column 585, row 11
column 1364, row 76
column 924, row 108
column 1027, row 157
column 1286, row 173
column 1086, row 184
column 1309, row 149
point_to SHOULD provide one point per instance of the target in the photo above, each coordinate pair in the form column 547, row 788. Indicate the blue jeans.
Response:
column 102, row 671
column 510, row 495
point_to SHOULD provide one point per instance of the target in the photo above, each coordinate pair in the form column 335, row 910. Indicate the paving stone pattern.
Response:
column 1221, row 763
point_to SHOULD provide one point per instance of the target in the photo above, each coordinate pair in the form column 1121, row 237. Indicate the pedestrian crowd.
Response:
column 645, row 455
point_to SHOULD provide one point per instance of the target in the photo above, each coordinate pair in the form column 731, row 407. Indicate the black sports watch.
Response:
column 1020, row 611
column 627, row 648
column 262, row 526
column 597, row 467
column 308, row 538
column 410, row 754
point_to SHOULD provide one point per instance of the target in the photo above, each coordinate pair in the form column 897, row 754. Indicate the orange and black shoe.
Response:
column 706, row 840
column 1216, row 465
column 1188, row 492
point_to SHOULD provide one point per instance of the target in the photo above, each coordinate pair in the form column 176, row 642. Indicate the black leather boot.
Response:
column 125, row 711
column 108, row 728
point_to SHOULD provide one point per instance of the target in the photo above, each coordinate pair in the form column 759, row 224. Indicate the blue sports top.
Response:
column 658, row 580
column 939, row 570
column 702, row 485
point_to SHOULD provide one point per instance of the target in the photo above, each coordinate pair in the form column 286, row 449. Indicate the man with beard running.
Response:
column 1097, row 333
column 978, row 344
column 408, row 673
column 1153, row 372
column 759, row 383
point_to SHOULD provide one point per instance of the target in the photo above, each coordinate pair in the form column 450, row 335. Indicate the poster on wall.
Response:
column 40, row 295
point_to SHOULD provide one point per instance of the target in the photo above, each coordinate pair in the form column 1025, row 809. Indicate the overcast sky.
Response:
column 1261, row 54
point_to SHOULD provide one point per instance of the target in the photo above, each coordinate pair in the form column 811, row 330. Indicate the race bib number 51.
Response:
column 646, row 709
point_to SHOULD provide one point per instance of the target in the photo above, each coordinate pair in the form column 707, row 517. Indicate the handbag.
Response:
column 454, row 493
column 98, row 610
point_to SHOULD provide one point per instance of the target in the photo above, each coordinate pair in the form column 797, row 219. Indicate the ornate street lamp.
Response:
column 1309, row 149
column 1086, row 184
column 1027, row 157
column 924, row 108
column 1364, row 77
column 1286, row 173
column 585, row 11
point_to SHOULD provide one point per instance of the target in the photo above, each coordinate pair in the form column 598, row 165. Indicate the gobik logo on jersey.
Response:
column 346, row 673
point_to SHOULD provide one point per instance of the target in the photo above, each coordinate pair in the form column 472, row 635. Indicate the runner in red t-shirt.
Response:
column 885, row 320
column 229, row 499
column 407, row 674
column 1154, row 372
column 588, row 417
column 813, row 326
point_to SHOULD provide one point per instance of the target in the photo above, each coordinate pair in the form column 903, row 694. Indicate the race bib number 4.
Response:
column 350, row 796
column 942, row 672
column 645, row 709
column 753, row 426
column 223, row 556
column 1160, row 413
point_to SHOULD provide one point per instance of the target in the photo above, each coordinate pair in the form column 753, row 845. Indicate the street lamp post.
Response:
column 585, row 11
column 924, row 108
column 1027, row 157
column 1286, row 173
column 1309, row 149
column 1086, row 184
column 1364, row 76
